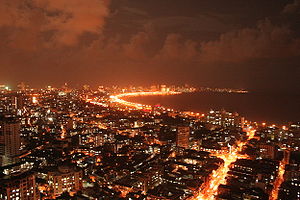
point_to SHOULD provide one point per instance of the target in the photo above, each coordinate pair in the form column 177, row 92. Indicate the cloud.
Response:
column 292, row 8
column 47, row 37
column 59, row 22
column 265, row 41
column 70, row 19
column 176, row 48
column 14, row 13
column 135, row 11
column 47, row 23
column 136, row 48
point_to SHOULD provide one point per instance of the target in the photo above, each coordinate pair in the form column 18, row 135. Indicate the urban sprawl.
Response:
column 66, row 143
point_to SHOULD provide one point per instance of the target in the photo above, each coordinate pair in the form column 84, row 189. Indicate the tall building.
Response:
column 20, row 186
column 183, row 136
column 18, row 103
column 10, row 141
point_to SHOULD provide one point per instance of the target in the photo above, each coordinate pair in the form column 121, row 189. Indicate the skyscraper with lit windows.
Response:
column 10, row 141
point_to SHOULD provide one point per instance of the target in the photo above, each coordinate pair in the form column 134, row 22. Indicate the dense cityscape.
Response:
column 84, row 143
column 149, row 99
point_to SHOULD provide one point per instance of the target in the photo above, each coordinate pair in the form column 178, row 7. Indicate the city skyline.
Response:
column 66, row 143
column 250, row 44
column 149, row 99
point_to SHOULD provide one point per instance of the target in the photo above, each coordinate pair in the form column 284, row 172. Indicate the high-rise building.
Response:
column 18, row 102
column 21, row 186
column 10, row 141
column 183, row 136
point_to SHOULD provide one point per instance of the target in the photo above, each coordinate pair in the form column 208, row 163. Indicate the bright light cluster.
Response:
column 118, row 98
column 218, row 177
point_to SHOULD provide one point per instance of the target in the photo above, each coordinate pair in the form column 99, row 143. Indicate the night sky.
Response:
column 251, row 44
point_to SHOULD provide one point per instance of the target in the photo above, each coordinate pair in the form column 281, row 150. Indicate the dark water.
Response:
column 260, row 107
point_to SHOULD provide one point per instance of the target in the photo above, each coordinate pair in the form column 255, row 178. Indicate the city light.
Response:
column 149, row 100
column 118, row 98
column 219, row 176
column 34, row 100
column 197, row 155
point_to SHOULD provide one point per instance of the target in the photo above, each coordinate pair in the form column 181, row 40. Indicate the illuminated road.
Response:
column 218, row 177
column 278, row 181
column 118, row 98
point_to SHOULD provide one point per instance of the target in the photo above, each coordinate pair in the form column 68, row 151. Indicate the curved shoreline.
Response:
column 263, row 120
column 118, row 98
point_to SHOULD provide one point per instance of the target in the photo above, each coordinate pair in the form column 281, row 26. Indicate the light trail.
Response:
column 218, row 177
column 278, row 181
column 118, row 98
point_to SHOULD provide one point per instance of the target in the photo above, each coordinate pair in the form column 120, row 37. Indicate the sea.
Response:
column 271, row 108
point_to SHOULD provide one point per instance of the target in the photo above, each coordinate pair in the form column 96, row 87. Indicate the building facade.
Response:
column 19, row 187
column 64, row 179
column 10, row 141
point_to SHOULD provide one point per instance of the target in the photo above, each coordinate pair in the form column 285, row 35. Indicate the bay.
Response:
column 260, row 107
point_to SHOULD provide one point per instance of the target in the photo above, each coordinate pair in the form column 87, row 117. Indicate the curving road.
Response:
column 118, row 98
column 218, row 177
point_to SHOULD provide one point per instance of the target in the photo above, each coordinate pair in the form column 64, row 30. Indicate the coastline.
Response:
column 260, row 107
